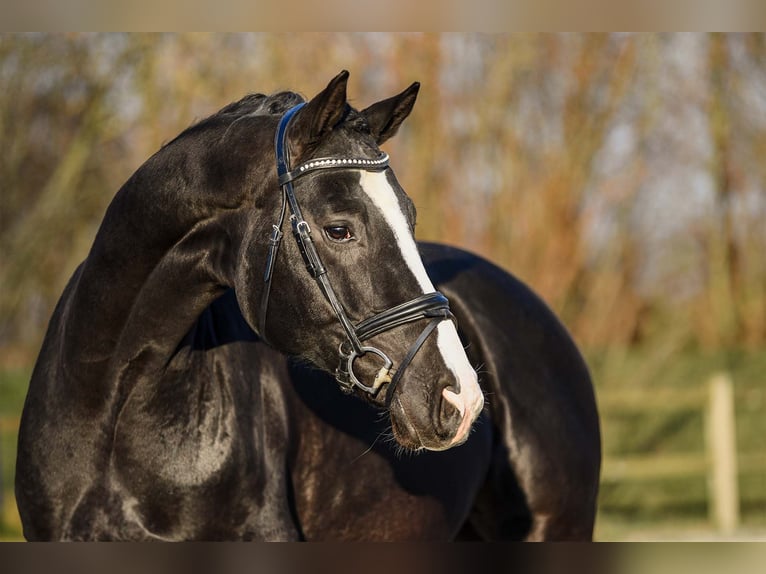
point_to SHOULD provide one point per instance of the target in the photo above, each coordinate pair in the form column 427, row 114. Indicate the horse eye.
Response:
column 339, row 233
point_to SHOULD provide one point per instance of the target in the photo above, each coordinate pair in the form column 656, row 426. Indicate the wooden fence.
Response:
column 720, row 461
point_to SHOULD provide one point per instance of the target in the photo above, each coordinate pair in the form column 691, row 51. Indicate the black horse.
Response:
column 185, row 389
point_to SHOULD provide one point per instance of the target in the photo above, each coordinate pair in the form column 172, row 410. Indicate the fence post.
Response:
column 722, row 453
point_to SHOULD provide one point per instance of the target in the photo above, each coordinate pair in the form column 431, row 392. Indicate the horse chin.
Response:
column 413, row 428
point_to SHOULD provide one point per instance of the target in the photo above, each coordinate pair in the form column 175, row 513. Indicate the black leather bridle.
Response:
column 433, row 306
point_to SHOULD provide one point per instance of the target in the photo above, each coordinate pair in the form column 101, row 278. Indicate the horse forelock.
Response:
column 350, row 137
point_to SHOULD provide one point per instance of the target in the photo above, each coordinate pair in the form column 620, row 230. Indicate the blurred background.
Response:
column 621, row 176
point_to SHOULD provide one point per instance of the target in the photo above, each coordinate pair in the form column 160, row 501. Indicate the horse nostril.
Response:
column 453, row 387
column 448, row 410
column 449, row 416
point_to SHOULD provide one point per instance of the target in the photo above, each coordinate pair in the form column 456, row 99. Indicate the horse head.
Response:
column 366, row 310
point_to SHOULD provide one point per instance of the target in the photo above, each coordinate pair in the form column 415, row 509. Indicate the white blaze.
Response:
column 470, row 400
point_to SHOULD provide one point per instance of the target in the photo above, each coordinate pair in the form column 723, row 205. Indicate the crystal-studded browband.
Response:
column 335, row 162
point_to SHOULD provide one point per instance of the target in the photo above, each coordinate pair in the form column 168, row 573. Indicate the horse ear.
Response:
column 385, row 117
column 319, row 116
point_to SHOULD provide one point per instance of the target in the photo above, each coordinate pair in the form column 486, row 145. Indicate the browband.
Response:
column 334, row 163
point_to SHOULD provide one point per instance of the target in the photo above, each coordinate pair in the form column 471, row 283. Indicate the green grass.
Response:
column 13, row 389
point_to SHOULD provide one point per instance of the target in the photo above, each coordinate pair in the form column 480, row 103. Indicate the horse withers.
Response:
column 180, row 392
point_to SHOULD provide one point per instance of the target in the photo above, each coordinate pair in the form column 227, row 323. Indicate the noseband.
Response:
column 433, row 306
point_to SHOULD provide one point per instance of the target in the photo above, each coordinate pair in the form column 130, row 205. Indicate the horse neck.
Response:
column 161, row 256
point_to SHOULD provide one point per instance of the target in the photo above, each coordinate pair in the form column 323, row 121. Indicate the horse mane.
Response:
column 256, row 104
column 248, row 106
column 260, row 104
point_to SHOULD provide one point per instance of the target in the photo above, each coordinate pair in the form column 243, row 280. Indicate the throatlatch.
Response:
column 433, row 306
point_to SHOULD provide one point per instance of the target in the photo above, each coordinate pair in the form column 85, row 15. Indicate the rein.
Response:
column 433, row 306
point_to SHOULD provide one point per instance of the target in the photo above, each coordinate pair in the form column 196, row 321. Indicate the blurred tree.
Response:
column 55, row 125
column 620, row 175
